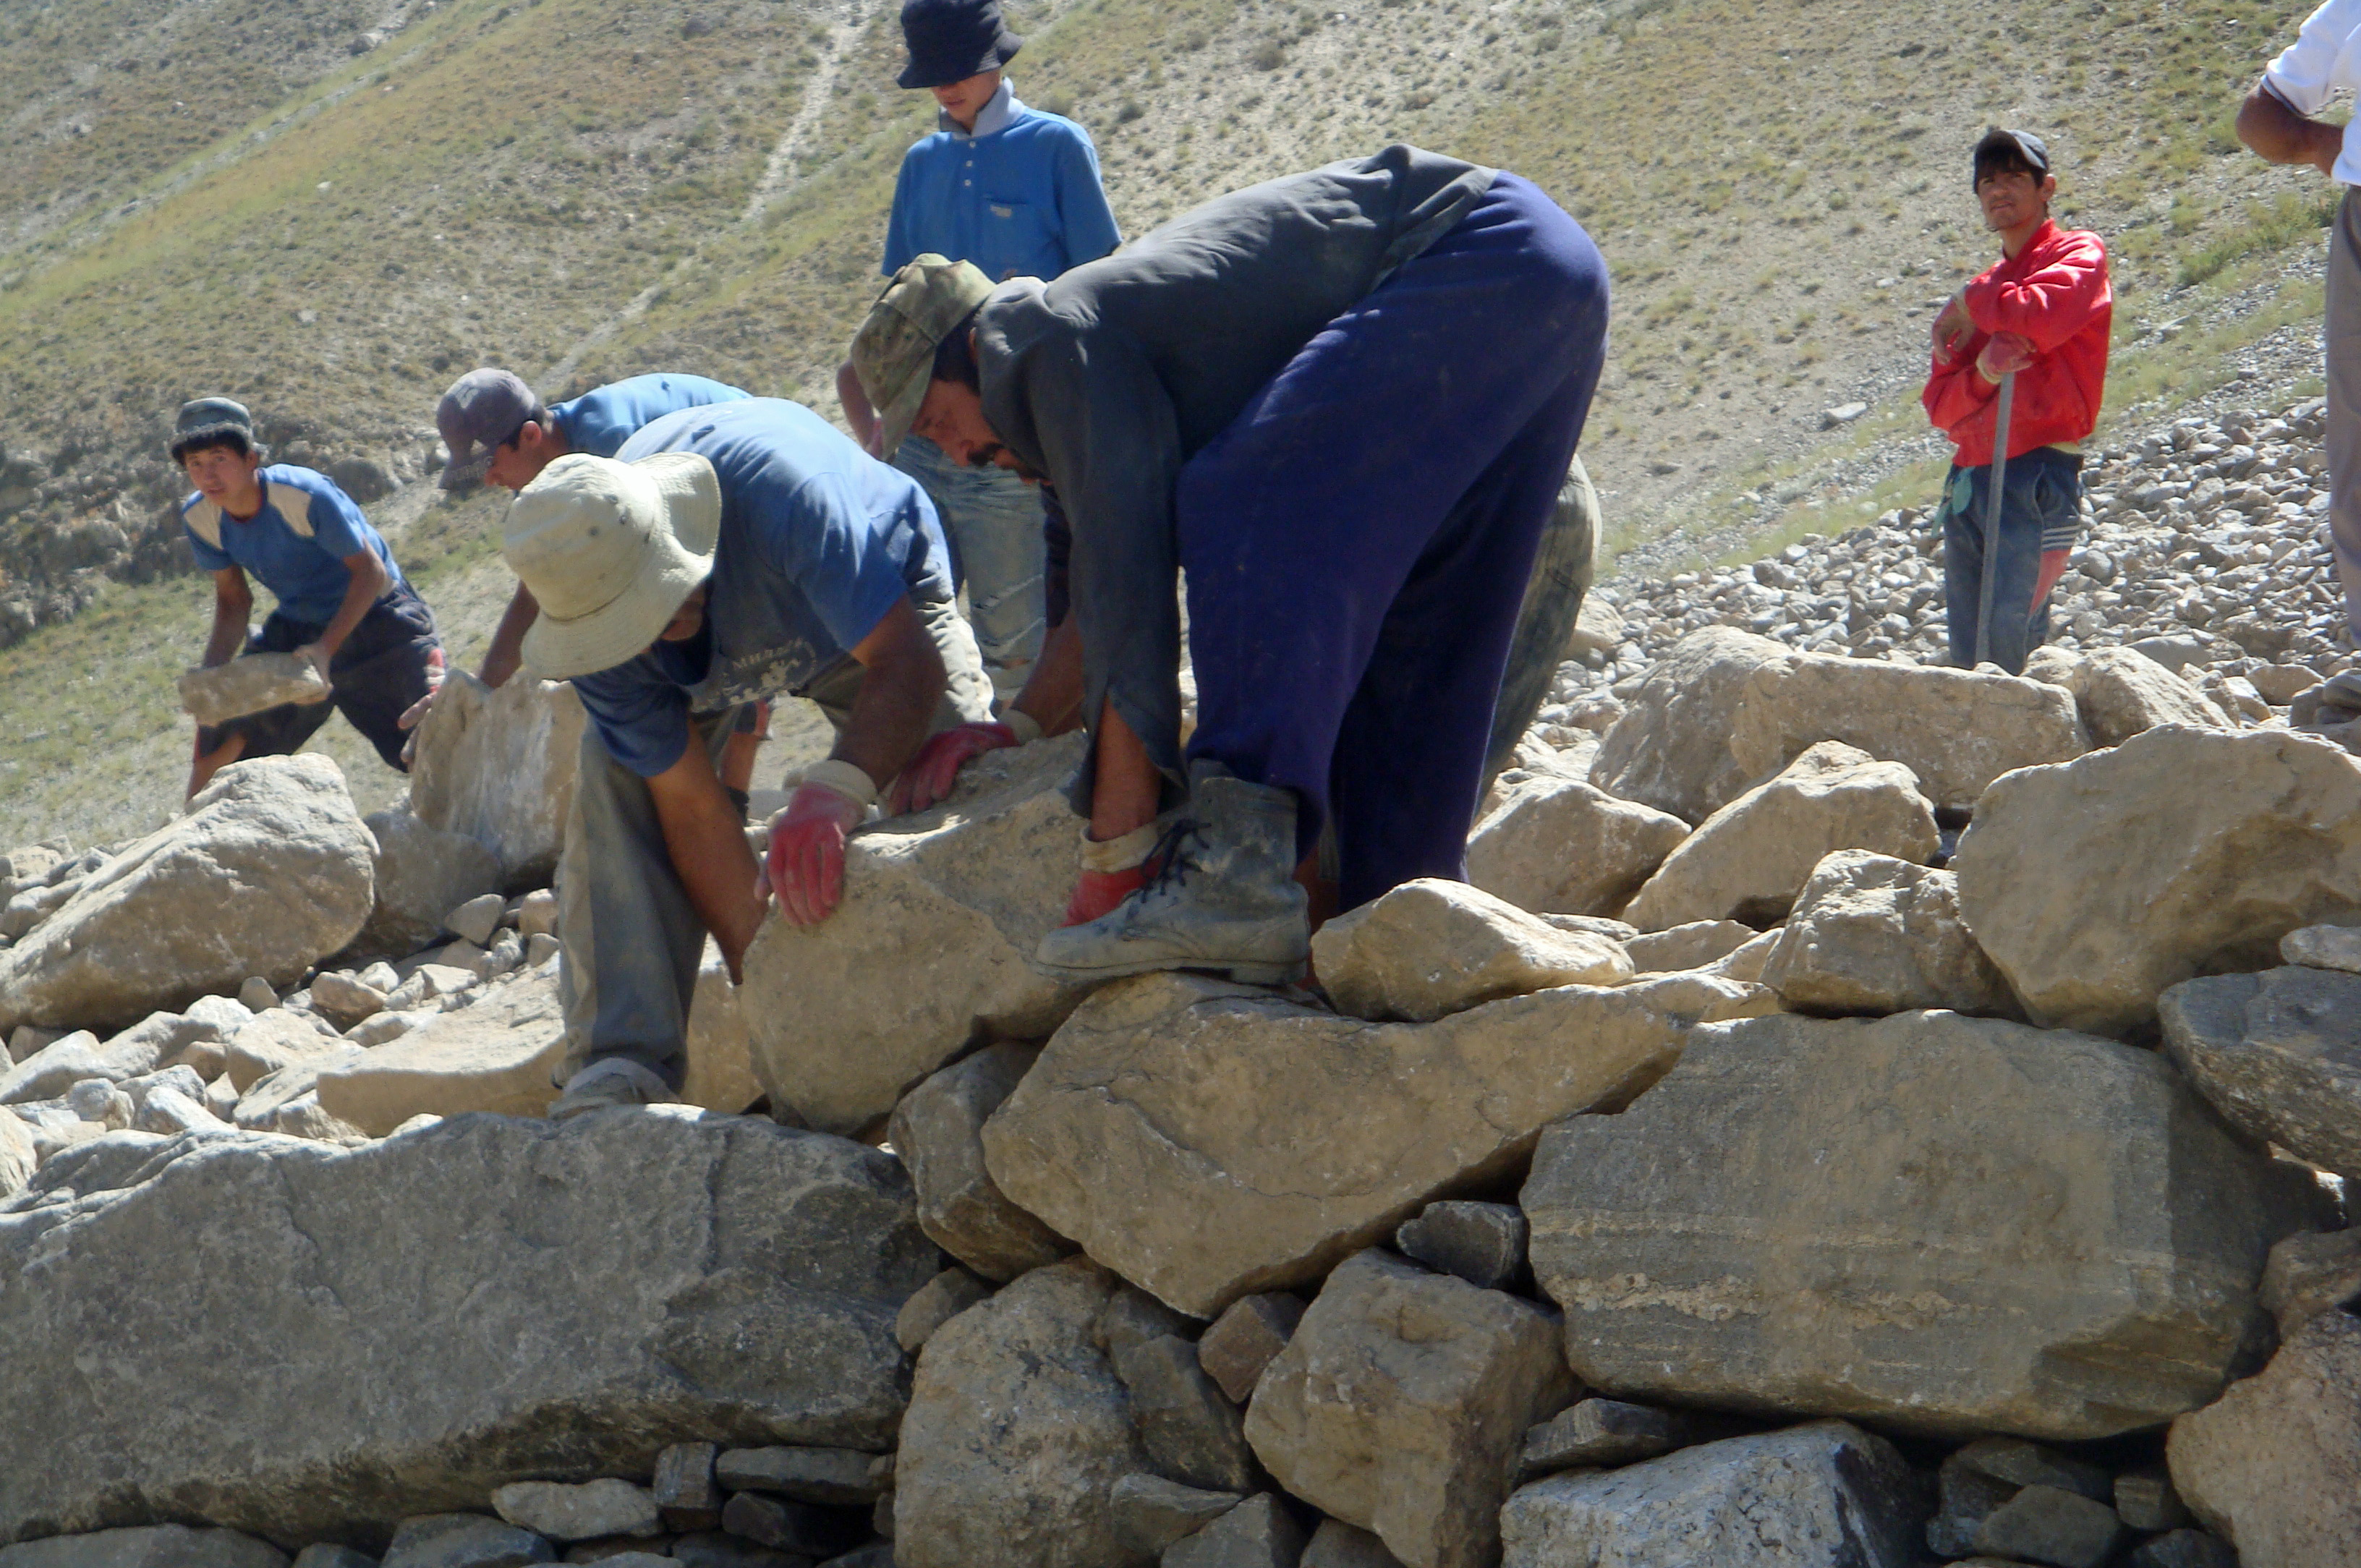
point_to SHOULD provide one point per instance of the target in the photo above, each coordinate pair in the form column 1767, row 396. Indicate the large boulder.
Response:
column 2096, row 884
column 268, row 873
column 1748, row 860
column 1671, row 748
column 1401, row 1402
column 2120, row 691
column 316, row 1342
column 932, row 950
column 2274, row 1466
column 1017, row 1433
column 1431, row 947
column 1957, row 730
column 1941, row 1224
column 2277, row 1053
column 423, row 874
column 498, row 1056
column 498, row 766
column 1558, row 846
column 1823, row 1495
column 938, row 1129
column 720, row 1075
column 1209, row 1141
column 1872, row 934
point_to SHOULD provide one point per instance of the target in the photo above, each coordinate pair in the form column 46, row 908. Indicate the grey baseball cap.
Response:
column 201, row 419
column 2005, row 147
column 482, row 409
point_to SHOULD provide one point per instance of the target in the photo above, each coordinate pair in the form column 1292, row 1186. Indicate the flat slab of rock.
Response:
column 1823, row 1495
column 498, row 766
column 2278, row 1054
column 599, row 1290
column 1017, row 1433
column 1558, row 846
column 2095, row 884
column 930, row 951
column 151, row 1546
column 578, row 1512
column 1873, row 934
column 2274, row 1466
column 495, row 1055
column 1210, row 1141
column 276, row 838
column 2324, row 946
column 248, row 685
column 1431, row 947
column 1947, row 1225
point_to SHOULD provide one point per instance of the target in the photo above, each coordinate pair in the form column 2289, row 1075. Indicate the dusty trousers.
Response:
column 1357, row 541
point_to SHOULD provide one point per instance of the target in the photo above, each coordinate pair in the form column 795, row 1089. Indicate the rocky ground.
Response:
column 1859, row 1112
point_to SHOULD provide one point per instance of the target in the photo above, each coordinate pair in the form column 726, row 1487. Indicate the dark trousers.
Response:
column 378, row 673
column 2040, row 511
column 1357, row 541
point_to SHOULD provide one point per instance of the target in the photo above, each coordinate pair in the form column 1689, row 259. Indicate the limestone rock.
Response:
column 345, row 1001
column 2047, row 1525
column 1955, row 730
column 832, row 1477
column 935, row 1303
column 1017, row 1433
column 248, row 685
column 18, row 1156
column 1258, row 1533
column 1872, row 934
column 1188, row 1426
column 476, row 920
column 274, row 1040
column 1431, row 947
column 59, row 1066
column 938, row 1129
column 930, row 951
column 1247, row 1337
column 276, row 839
column 2278, row 1054
column 1151, row 1513
column 1825, row 1495
column 1210, row 1141
column 465, row 1541
column 585, row 1294
column 2274, row 1466
column 1691, row 946
column 604, row 1506
column 151, row 1546
column 1336, row 1544
column 1483, row 1243
column 2310, row 1272
column 721, row 1074
column 1400, row 1402
column 1946, row 1224
column 2324, row 946
column 1748, row 860
column 1597, row 1433
column 421, row 873
column 1559, row 846
column 2120, row 693
column 498, row 766
column 496, row 1056
column 2095, row 884
column 1133, row 1317
column 1671, row 748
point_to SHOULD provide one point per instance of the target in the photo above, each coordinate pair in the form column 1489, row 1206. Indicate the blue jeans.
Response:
column 992, row 519
column 2040, row 511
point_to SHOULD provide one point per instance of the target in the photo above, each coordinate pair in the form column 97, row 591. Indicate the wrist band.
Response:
column 1022, row 725
column 845, row 779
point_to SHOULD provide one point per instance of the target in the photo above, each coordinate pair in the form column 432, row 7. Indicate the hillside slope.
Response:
column 329, row 211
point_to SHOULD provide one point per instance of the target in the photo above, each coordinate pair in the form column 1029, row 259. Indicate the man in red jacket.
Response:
column 2042, row 315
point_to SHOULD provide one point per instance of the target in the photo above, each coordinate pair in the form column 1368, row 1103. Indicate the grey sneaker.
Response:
column 1224, row 899
column 611, row 1081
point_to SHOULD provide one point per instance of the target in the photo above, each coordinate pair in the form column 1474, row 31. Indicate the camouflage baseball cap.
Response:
column 893, row 352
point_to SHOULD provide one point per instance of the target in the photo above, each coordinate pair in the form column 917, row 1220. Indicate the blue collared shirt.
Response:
column 600, row 421
column 1020, row 197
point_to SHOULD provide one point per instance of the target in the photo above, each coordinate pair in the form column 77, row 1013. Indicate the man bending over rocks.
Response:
column 2041, row 312
column 1342, row 402
column 725, row 554
column 342, row 601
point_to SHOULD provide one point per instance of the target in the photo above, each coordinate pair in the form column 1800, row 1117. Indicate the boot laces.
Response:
column 1170, row 864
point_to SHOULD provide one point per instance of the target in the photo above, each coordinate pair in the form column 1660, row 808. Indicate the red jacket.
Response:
column 2055, row 294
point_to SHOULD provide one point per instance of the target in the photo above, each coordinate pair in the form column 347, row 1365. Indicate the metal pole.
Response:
column 1990, row 576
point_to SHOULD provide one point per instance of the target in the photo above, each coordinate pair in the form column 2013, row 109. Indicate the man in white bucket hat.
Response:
column 724, row 556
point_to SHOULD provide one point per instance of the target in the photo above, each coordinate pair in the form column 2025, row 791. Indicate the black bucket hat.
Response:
column 950, row 40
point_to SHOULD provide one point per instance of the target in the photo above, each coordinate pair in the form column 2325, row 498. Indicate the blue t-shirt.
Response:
column 1020, row 198
column 295, row 545
column 600, row 421
column 818, row 541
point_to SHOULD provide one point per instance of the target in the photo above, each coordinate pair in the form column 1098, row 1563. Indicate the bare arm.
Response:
column 233, row 607
column 506, row 655
column 857, row 412
column 369, row 581
column 2277, row 133
column 708, row 850
column 901, row 686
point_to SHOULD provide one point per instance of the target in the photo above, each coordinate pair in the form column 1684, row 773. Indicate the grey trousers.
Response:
column 2343, row 339
column 630, row 940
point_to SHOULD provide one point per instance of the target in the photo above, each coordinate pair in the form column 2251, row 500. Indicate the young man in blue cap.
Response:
column 342, row 601
column 1016, row 193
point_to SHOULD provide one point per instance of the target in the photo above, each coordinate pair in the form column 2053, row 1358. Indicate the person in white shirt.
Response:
column 2277, row 125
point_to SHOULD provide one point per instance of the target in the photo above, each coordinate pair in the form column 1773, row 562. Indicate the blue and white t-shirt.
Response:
column 295, row 545
column 600, row 421
column 818, row 541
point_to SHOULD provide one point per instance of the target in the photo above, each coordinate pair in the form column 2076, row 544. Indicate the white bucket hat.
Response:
column 610, row 550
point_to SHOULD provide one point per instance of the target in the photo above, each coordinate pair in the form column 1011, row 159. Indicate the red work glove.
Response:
column 2005, row 354
column 1112, row 872
column 805, row 867
column 934, row 772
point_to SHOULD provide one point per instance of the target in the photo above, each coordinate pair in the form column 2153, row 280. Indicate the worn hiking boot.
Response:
column 1222, row 898
column 611, row 1081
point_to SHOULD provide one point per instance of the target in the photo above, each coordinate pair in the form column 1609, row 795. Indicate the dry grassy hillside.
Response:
column 224, row 197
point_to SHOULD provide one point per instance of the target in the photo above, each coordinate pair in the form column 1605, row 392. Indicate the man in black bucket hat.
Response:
column 951, row 40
